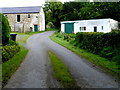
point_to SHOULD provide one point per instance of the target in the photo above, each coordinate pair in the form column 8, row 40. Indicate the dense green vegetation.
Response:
column 9, row 51
column 61, row 72
column 55, row 12
column 4, row 25
column 104, row 44
column 10, row 66
column 68, row 40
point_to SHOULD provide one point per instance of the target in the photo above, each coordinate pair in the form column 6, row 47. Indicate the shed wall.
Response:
column 89, row 25
column 102, row 25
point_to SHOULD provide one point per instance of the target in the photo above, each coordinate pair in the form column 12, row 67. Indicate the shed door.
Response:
column 35, row 28
column 95, row 29
column 69, row 27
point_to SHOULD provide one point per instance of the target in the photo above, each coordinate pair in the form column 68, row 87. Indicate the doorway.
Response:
column 95, row 28
column 35, row 28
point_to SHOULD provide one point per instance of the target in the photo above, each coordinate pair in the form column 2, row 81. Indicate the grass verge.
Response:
column 61, row 72
column 105, row 64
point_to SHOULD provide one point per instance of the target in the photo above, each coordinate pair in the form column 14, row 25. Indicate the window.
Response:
column 18, row 18
column 28, row 15
column 85, row 28
column 102, row 27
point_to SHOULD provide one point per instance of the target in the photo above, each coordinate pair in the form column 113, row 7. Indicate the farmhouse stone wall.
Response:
column 26, row 24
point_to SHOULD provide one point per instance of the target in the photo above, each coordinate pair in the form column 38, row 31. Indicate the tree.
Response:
column 52, row 12
column 70, row 10
column 5, row 29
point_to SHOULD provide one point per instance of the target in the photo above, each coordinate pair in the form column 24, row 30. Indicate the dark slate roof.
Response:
column 11, row 10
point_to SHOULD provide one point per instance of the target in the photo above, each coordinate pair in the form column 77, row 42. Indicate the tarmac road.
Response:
column 35, row 70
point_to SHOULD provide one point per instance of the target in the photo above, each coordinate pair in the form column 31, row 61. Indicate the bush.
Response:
column 104, row 44
column 5, row 30
column 116, row 59
column 11, row 42
column 9, row 51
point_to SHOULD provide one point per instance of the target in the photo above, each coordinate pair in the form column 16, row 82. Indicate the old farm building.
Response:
column 25, row 19
column 93, row 25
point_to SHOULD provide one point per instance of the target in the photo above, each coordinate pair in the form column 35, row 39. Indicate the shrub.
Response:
column 9, row 51
column 11, row 42
column 5, row 30
column 116, row 58
column 104, row 44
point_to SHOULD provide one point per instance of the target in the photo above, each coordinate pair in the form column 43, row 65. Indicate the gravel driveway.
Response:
column 34, row 72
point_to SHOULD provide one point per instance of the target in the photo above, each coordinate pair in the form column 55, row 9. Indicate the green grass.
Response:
column 61, row 72
column 108, row 66
column 10, row 66
column 27, row 33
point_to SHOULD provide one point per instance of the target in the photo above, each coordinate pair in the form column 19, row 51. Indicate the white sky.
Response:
column 21, row 3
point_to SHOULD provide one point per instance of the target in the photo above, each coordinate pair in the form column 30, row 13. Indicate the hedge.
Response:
column 104, row 44
column 9, row 51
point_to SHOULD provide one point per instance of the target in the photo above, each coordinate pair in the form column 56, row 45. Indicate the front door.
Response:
column 95, row 29
column 35, row 28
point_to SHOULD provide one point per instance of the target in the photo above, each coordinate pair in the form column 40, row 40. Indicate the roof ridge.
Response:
column 28, row 9
column 22, row 7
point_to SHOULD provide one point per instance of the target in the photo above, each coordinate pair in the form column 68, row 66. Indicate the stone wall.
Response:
column 26, row 24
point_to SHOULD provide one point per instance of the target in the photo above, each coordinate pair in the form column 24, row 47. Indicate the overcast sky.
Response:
column 20, row 3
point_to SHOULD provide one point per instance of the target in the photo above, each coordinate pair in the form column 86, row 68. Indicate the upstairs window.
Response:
column 28, row 15
column 18, row 18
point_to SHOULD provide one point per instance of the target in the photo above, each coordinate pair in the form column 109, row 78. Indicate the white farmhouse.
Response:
column 93, row 25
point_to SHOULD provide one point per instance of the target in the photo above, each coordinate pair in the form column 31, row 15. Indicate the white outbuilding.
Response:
column 93, row 25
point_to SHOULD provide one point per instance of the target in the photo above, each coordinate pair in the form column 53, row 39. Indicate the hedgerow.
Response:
column 9, row 51
column 104, row 44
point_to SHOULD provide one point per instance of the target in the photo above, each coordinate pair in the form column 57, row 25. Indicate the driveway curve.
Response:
column 34, row 71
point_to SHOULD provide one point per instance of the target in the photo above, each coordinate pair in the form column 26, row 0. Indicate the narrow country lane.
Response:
column 33, row 72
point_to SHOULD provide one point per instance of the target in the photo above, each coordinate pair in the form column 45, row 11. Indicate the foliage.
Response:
column 5, row 30
column 61, row 72
column 50, row 25
column 11, row 42
column 52, row 12
column 9, row 51
column 106, row 45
